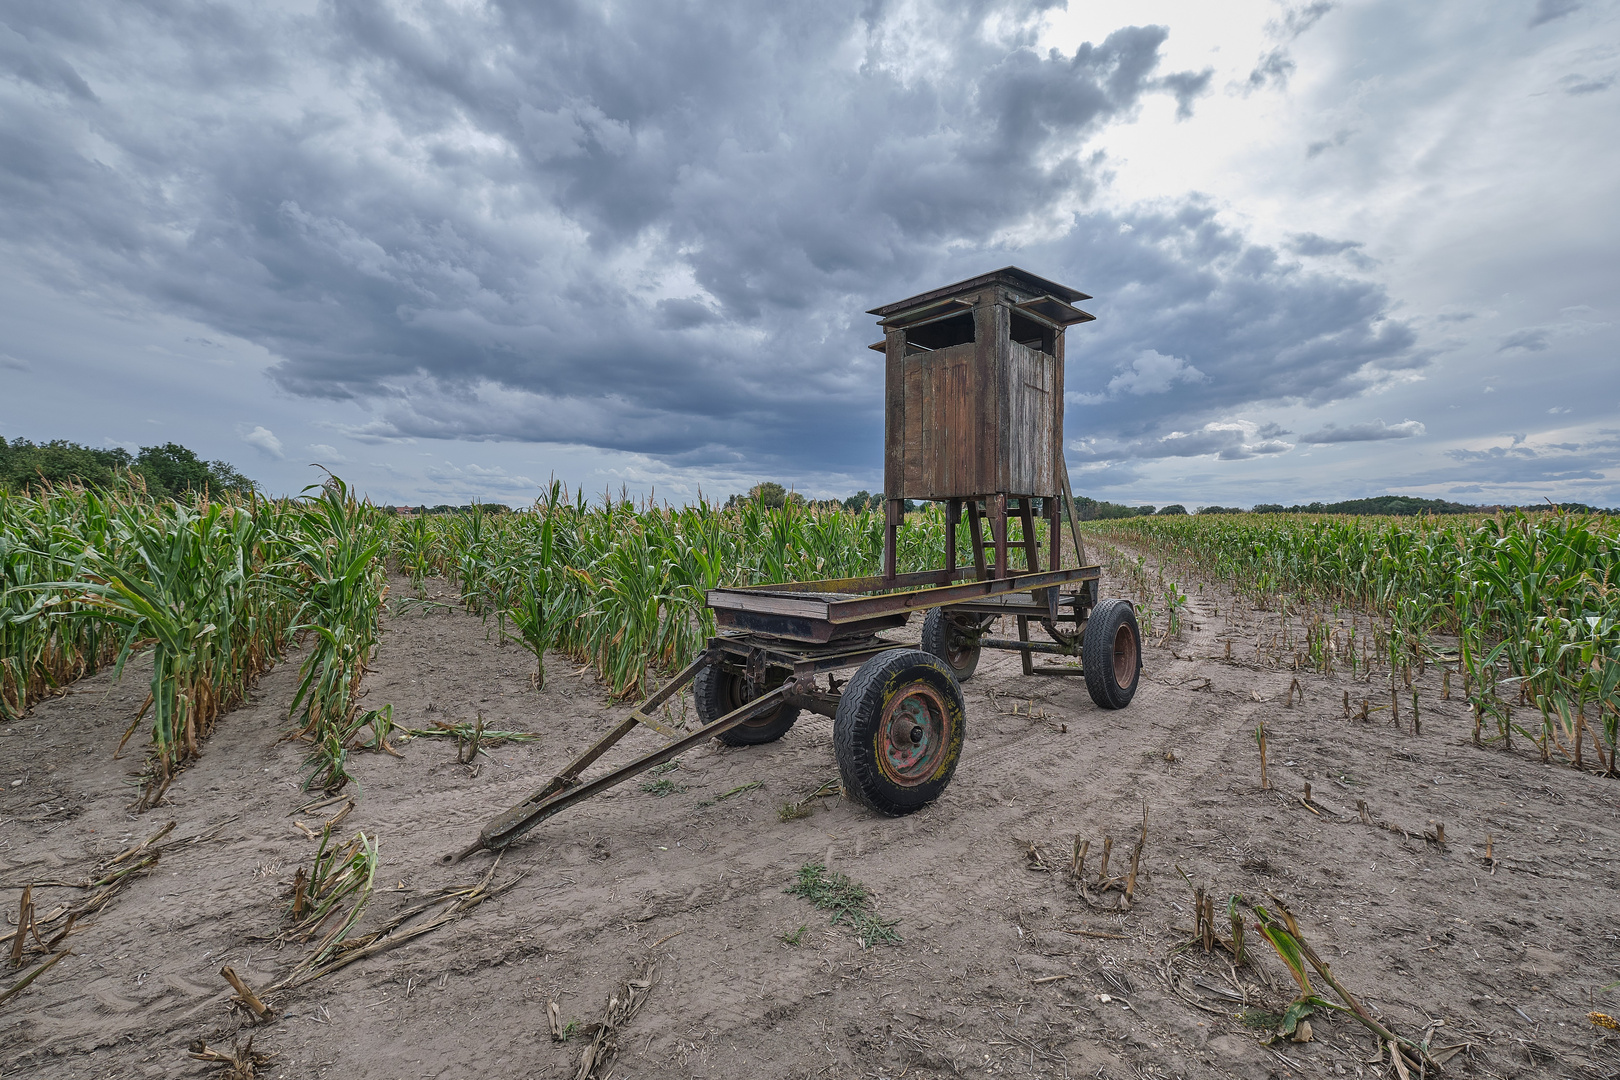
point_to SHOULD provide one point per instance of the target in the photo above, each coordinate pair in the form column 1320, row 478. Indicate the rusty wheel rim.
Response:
column 959, row 646
column 738, row 696
column 912, row 735
column 1124, row 656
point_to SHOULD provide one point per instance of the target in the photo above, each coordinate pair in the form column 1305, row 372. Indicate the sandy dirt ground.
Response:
column 1507, row 956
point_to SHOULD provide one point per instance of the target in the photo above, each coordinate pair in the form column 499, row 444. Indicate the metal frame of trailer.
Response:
column 974, row 419
column 800, row 631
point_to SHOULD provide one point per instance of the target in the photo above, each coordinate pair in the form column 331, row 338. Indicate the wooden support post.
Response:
column 953, row 514
column 1071, row 510
column 1032, row 551
column 1054, row 532
column 976, row 534
column 894, row 513
column 1025, row 654
column 1050, row 508
column 997, row 506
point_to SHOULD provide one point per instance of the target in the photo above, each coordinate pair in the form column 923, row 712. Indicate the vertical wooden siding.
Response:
column 972, row 419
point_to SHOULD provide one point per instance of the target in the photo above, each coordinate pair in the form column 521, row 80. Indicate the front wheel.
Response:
column 953, row 641
column 898, row 732
column 1111, row 654
column 717, row 690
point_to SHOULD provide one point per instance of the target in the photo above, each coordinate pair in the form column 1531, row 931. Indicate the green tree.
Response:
column 25, row 465
column 168, row 471
column 171, row 469
column 769, row 494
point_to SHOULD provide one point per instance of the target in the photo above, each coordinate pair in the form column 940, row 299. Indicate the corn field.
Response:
column 216, row 591
column 1523, row 609
column 620, row 585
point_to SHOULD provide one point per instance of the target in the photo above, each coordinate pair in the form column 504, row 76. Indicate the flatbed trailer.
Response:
column 898, row 731
column 974, row 419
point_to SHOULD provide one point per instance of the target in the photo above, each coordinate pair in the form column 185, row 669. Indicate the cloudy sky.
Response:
column 452, row 248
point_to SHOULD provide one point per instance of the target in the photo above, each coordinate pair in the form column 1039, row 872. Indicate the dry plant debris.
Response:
column 621, row 1009
column 246, row 998
column 106, row 879
column 1283, row 933
column 801, row 808
column 241, row 1063
column 452, row 904
column 21, row 984
column 339, row 878
column 1104, row 883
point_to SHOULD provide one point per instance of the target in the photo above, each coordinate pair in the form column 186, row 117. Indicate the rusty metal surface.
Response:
column 804, row 659
column 821, row 619
column 860, row 585
column 553, row 800
column 1029, row 646
column 923, row 599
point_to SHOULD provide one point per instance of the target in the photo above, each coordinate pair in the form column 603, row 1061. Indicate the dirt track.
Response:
column 986, row 980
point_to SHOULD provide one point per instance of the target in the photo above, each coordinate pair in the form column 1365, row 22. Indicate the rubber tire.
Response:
column 1097, row 654
column 936, row 637
column 857, row 727
column 717, row 692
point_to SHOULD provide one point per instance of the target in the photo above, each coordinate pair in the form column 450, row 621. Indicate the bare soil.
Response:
column 1509, row 955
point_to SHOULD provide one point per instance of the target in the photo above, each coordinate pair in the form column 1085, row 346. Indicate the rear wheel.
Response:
column 899, row 729
column 718, row 690
column 954, row 639
column 1111, row 654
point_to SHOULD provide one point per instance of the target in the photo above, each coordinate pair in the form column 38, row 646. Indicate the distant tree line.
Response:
column 1400, row 506
column 774, row 495
column 446, row 508
column 167, row 471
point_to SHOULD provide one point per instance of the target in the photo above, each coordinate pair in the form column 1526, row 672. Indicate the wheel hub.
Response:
column 1124, row 656
column 912, row 736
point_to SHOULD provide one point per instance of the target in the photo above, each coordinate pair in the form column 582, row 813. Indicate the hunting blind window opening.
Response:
column 942, row 333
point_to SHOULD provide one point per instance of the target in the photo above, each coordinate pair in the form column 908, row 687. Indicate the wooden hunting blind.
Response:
column 974, row 402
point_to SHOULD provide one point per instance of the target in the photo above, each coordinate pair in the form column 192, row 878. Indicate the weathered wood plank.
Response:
column 911, row 449
column 894, row 421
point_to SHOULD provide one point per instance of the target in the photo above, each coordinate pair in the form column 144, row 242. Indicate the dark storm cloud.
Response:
column 651, row 228
column 1580, row 84
column 1549, row 10
column 1254, row 326
column 1530, row 339
column 1371, row 431
column 1310, row 244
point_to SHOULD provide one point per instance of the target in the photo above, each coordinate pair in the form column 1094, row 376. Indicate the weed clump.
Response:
column 849, row 902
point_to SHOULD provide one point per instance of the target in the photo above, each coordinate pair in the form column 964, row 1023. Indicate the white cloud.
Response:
column 1151, row 372
column 327, row 455
column 265, row 441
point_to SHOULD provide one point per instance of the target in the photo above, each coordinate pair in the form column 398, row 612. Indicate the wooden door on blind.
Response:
column 1031, row 384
